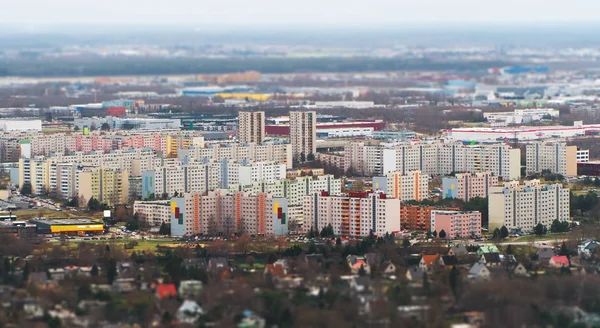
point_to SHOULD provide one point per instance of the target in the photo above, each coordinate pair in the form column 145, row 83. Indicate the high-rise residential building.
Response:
column 433, row 158
column 418, row 217
column 35, row 171
column 294, row 191
column 456, row 224
column 410, row 186
column 153, row 213
column 303, row 133
column 227, row 213
column 466, row 186
column 178, row 178
column 355, row 214
column 251, row 127
column 63, row 178
column 109, row 186
column 554, row 156
column 524, row 206
column 583, row 155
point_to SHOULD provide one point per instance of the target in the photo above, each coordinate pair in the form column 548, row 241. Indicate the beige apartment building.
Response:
column 410, row 186
column 251, row 127
column 524, row 206
column 554, row 156
column 303, row 133
column 467, row 186
column 109, row 186
column 355, row 214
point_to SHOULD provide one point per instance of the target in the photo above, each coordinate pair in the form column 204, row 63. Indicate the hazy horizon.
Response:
column 350, row 13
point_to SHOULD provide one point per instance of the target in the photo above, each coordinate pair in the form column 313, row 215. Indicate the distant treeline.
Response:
column 102, row 66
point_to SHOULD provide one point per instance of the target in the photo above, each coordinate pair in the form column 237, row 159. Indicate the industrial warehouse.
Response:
column 67, row 226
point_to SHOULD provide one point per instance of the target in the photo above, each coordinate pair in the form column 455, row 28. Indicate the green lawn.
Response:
column 528, row 238
column 143, row 245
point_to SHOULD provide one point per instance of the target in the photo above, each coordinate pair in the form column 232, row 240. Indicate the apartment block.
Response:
column 456, row 224
column 109, row 186
column 583, row 155
column 410, row 186
column 417, row 217
column 35, row 171
column 556, row 157
column 524, row 206
column 355, row 214
column 178, row 178
column 153, row 213
column 294, row 191
column 303, row 133
column 251, row 127
column 433, row 158
column 265, row 152
column 63, row 179
column 466, row 186
column 226, row 213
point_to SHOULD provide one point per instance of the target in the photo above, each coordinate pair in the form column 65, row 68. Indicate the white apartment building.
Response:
column 35, row 171
column 524, row 206
column 294, row 191
column 467, row 186
column 63, row 179
column 356, row 214
column 154, row 213
column 220, row 212
column 303, row 133
column 434, row 158
column 265, row 152
column 554, row 156
column 410, row 186
column 211, row 175
column 583, row 156
column 251, row 127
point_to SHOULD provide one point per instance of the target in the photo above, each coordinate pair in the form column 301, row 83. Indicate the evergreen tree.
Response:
column 338, row 241
column 503, row 232
column 111, row 271
column 406, row 243
column 453, row 281
column 94, row 272
column 442, row 234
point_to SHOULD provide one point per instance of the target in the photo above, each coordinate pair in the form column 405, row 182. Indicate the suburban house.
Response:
column 559, row 261
column 588, row 247
column 218, row 264
column 458, row 250
column 414, row 274
column 190, row 288
column 57, row 274
column 487, row 249
column 491, row 259
column 544, row 254
column 448, row 261
column 428, row 262
column 166, row 291
column 275, row 270
column 189, row 312
column 479, row 272
column 388, row 268
column 520, row 271
column 355, row 268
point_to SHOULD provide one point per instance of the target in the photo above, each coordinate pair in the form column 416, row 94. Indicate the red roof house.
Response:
column 166, row 291
column 559, row 261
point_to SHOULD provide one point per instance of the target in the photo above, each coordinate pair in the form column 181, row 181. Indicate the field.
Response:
column 546, row 237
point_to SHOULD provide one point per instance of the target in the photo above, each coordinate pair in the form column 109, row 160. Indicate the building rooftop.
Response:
column 63, row 221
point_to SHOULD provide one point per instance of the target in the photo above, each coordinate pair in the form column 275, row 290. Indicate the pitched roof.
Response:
column 166, row 290
column 275, row 270
column 429, row 260
column 449, row 260
column 560, row 260
column 477, row 268
column 544, row 253
column 492, row 257
column 489, row 249
column 415, row 273
column 358, row 264
column 459, row 249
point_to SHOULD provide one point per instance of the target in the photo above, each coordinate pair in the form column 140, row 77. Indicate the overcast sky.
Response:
column 285, row 12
